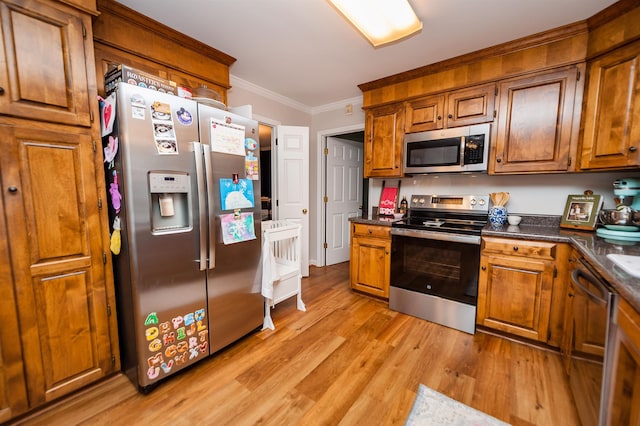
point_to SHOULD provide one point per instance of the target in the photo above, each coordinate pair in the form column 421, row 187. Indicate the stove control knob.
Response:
column 481, row 201
column 414, row 200
column 421, row 200
column 472, row 201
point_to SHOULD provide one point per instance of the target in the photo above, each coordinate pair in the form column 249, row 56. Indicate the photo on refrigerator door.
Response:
column 226, row 137
column 237, row 227
column 236, row 195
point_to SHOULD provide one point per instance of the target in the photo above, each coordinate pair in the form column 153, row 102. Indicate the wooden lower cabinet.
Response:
column 57, row 328
column 517, row 286
column 623, row 407
column 370, row 259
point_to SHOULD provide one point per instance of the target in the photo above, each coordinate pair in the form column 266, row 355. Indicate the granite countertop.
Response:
column 547, row 228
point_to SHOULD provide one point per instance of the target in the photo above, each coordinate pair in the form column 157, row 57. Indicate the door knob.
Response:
column 13, row 189
column 632, row 149
column 304, row 211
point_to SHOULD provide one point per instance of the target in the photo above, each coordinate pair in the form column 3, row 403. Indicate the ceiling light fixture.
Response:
column 380, row 21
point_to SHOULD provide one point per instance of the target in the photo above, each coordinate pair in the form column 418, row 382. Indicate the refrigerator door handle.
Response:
column 202, row 206
column 210, row 203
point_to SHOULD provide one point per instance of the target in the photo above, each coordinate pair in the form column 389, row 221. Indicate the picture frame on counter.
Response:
column 581, row 211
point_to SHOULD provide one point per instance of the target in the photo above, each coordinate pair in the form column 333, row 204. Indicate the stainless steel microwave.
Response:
column 459, row 149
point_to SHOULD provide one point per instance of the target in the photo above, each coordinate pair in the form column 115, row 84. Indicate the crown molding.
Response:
column 258, row 90
column 266, row 93
column 339, row 105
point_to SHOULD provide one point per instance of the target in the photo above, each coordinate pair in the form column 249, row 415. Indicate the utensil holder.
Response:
column 498, row 215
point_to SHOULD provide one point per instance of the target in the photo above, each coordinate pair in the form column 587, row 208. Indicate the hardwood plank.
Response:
column 347, row 360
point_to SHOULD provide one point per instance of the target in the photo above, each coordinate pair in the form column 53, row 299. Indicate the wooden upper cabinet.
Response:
column 611, row 137
column 43, row 74
column 384, row 133
column 56, row 258
column 457, row 108
column 538, row 122
column 424, row 114
column 107, row 58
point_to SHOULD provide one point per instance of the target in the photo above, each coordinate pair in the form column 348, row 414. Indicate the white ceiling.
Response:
column 305, row 51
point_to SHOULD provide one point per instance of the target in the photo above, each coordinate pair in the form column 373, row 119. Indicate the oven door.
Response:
column 434, row 276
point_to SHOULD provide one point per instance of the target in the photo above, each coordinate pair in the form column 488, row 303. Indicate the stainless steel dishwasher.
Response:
column 591, row 305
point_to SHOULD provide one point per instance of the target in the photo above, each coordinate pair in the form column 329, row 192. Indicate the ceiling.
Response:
column 304, row 51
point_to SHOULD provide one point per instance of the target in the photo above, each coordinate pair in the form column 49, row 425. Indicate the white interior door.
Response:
column 344, row 195
column 292, row 196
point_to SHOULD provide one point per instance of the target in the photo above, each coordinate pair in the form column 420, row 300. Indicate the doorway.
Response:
column 265, row 134
column 344, row 191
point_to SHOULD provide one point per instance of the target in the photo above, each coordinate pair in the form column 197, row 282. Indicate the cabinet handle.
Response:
column 498, row 160
column 1, row 91
column 515, row 248
column 450, row 116
column 371, row 231
column 632, row 149
column 13, row 189
column 439, row 117
column 484, row 268
column 570, row 294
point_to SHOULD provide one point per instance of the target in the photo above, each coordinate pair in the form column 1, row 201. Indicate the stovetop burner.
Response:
column 462, row 214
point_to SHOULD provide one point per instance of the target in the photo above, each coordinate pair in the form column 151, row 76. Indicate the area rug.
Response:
column 433, row 408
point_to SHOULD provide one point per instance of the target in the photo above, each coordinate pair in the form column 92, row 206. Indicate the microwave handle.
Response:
column 463, row 144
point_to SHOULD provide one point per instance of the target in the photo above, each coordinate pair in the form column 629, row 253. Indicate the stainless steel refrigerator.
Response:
column 184, row 205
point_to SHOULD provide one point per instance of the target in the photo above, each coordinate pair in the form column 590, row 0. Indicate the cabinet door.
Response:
column 514, row 295
column 471, row 106
column 623, row 406
column 424, row 114
column 13, row 391
column 44, row 74
column 612, row 114
column 538, row 123
column 370, row 265
column 51, row 207
column 384, row 132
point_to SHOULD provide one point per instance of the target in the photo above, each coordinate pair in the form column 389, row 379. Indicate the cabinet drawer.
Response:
column 372, row 230
column 513, row 247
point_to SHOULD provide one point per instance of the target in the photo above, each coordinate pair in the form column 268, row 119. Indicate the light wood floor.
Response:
column 348, row 360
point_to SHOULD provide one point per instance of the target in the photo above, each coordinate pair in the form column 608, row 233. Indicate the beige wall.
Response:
column 269, row 108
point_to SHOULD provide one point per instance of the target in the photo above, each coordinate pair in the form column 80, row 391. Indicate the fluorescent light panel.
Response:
column 380, row 21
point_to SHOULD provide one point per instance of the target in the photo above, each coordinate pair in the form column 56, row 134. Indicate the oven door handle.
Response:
column 441, row 236
column 599, row 299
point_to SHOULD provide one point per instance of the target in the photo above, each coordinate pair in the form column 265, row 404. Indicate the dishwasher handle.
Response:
column 599, row 299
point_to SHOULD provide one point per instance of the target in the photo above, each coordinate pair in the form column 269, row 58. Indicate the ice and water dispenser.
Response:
column 169, row 202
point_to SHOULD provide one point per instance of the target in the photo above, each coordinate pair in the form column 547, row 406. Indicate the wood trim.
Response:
column 88, row 6
column 610, row 13
column 124, row 13
column 613, row 27
column 565, row 32
column 122, row 29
